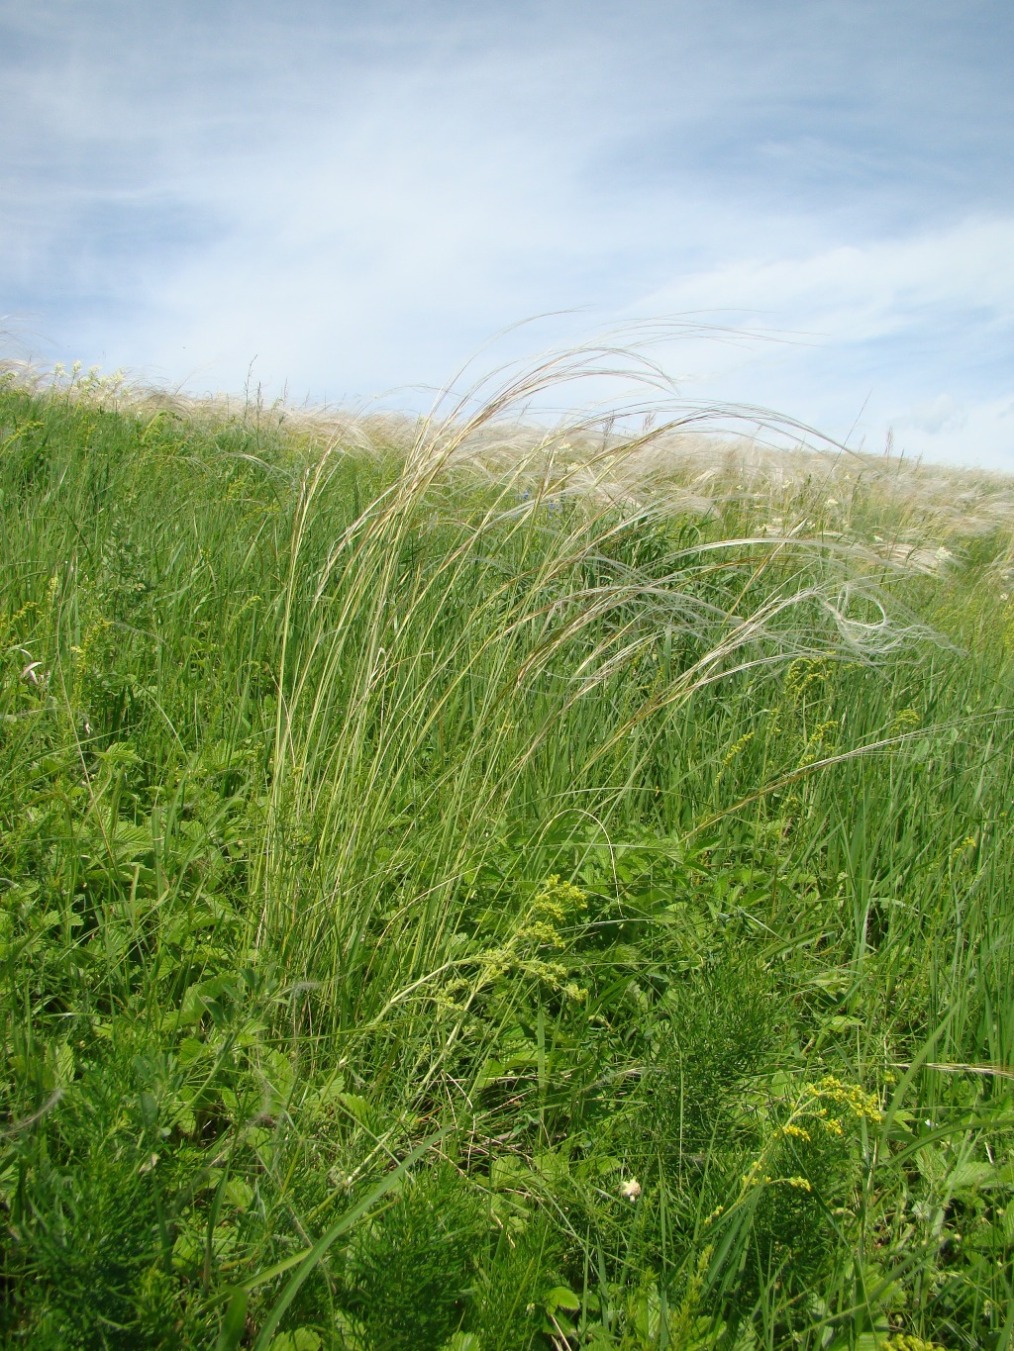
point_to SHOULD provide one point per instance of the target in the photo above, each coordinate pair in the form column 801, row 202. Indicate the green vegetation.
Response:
column 450, row 900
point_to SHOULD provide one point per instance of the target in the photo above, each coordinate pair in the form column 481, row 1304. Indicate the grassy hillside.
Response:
column 465, row 891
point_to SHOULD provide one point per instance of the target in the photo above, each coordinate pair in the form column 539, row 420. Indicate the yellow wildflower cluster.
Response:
column 822, row 1104
column 853, row 1099
column 9, row 623
column 796, row 1132
column 804, row 672
column 556, row 904
column 821, row 739
column 736, row 748
column 903, row 1341
column 756, row 1177
column 962, row 849
column 904, row 721
column 540, row 934
column 557, row 901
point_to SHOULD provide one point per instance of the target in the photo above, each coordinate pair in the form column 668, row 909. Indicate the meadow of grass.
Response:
column 466, row 890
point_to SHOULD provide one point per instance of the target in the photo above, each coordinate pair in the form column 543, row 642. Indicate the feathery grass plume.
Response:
column 470, row 628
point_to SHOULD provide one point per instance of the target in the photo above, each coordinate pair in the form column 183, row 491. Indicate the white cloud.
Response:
column 981, row 435
column 858, row 293
column 942, row 414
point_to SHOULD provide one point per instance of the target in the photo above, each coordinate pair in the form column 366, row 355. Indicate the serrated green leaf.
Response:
column 561, row 1297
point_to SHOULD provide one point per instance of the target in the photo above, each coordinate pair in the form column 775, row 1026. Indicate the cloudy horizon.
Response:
column 809, row 204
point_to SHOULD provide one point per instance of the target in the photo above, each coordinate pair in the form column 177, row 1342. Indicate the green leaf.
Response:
column 561, row 1297
column 238, row 1193
column 972, row 1175
column 357, row 1107
column 300, row 1339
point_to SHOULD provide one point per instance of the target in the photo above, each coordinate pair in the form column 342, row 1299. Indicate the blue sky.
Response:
column 355, row 198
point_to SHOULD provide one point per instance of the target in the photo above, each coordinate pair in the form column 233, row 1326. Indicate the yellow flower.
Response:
column 800, row 1183
column 797, row 1132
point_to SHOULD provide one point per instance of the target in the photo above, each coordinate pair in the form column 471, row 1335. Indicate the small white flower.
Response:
column 631, row 1190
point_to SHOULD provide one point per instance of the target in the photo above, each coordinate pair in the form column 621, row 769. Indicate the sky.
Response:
column 800, row 205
